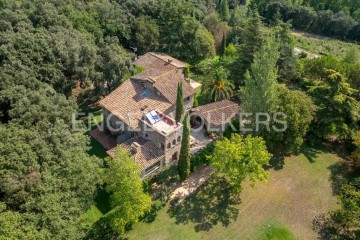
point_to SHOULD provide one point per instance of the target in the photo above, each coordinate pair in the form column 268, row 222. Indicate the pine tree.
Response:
column 179, row 103
column 224, row 10
column 184, row 157
column 287, row 63
column 252, row 40
column 260, row 92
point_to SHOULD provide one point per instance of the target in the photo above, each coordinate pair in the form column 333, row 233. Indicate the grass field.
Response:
column 91, row 118
column 325, row 46
column 284, row 208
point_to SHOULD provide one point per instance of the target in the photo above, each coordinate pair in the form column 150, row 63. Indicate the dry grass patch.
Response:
column 289, row 202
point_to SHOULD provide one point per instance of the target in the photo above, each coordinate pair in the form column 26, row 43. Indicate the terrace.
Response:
column 160, row 122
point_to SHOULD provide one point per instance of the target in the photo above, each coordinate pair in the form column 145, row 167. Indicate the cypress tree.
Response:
column 224, row 10
column 179, row 103
column 252, row 40
column 223, row 45
column 184, row 157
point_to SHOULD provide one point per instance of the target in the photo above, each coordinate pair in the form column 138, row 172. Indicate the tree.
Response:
column 237, row 23
column 240, row 158
column 224, row 10
column 128, row 200
column 216, row 87
column 112, row 66
column 146, row 34
column 287, row 63
column 337, row 109
column 113, row 19
column 356, row 153
column 343, row 223
column 192, row 41
column 51, row 181
column 260, row 93
column 223, row 45
column 252, row 39
column 14, row 226
column 299, row 111
column 184, row 157
column 180, row 109
column 217, row 28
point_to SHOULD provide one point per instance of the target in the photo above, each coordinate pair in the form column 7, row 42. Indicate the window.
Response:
column 152, row 168
column 179, row 139
column 187, row 99
column 169, row 145
column 146, row 135
column 174, row 156
column 174, row 142
column 162, row 146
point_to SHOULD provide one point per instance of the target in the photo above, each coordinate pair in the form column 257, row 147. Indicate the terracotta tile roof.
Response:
column 158, row 60
column 218, row 112
column 150, row 73
column 144, row 151
column 129, row 104
column 167, row 85
column 131, row 100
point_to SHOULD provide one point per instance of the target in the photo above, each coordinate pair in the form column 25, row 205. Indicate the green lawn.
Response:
column 274, row 231
column 283, row 208
column 102, row 204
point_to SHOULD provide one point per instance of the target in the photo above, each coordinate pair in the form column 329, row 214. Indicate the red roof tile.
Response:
column 145, row 152
column 218, row 112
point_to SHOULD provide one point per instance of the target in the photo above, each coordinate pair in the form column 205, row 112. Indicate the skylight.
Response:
column 144, row 94
column 153, row 117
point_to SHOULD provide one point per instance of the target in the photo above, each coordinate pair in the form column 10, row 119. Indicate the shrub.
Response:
column 200, row 158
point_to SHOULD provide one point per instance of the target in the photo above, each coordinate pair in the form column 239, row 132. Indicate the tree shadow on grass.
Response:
column 151, row 215
column 276, row 162
column 339, row 175
column 311, row 153
column 214, row 203
column 102, row 201
column 96, row 149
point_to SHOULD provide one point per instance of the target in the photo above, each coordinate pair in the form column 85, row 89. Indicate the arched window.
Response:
column 174, row 142
column 169, row 145
column 179, row 139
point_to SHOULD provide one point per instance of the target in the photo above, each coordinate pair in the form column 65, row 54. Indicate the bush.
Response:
column 200, row 158
column 167, row 174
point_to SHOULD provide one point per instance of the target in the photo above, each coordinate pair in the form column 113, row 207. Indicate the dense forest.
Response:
column 339, row 19
column 49, row 48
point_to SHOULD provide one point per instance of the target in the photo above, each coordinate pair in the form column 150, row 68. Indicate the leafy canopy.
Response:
column 240, row 158
column 123, row 182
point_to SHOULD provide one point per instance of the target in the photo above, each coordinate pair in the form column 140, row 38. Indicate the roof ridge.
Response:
column 165, row 72
column 216, row 109
column 155, row 55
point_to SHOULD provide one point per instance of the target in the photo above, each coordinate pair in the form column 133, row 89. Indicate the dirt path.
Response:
column 310, row 55
column 196, row 179
column 309, row 35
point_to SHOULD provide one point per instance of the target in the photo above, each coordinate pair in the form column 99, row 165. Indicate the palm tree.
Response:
column 217, row 87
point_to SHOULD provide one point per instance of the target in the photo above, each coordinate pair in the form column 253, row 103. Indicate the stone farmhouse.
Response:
column 139, row 114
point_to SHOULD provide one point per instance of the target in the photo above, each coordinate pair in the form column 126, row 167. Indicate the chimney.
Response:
column 134, row 148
